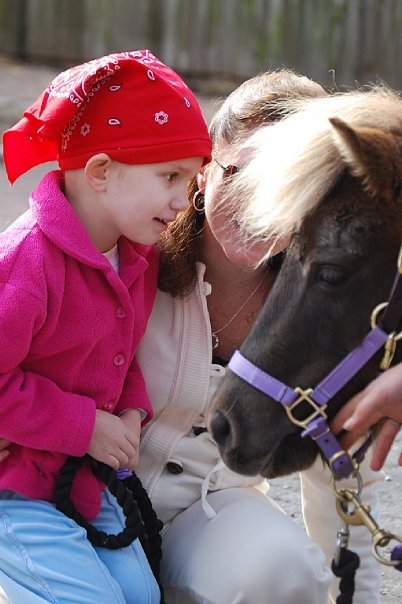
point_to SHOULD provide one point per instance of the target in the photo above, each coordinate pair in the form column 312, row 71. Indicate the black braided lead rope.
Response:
column 141, row 521
column 346, row 570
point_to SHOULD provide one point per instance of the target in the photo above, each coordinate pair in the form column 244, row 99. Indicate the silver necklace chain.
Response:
column 214, row 334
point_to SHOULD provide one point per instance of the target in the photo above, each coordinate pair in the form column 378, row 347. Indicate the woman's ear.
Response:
column 96, row 171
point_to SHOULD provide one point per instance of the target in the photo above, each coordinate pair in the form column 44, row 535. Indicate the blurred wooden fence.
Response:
column 216, row 40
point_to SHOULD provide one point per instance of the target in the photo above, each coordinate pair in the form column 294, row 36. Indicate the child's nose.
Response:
column 180, row 202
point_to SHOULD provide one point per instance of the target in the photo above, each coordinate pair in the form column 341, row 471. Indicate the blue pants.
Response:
column 46, row 557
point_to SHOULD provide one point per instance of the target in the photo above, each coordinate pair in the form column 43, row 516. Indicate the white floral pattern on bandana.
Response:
column 85, row 129
column 77, row 84
column 80, row 84
column 161, row 117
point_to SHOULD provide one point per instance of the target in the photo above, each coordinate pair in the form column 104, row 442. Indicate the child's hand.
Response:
column 132, row 420
column 4, row 451
column 112, row 442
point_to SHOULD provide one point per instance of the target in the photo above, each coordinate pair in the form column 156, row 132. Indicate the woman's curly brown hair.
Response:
column 251, row 104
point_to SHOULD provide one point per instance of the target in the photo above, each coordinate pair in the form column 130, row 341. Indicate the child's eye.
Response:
column 171, row 177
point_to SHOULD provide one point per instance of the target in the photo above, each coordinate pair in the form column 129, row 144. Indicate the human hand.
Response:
column 132, row 420
column 4, row 449
column 381, row 401
column 112, row 441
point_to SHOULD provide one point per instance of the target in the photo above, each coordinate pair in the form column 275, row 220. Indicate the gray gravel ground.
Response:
column 286, row 491
column 20, row 85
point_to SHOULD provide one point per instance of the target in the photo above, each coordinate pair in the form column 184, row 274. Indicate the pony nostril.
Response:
column 221, row 430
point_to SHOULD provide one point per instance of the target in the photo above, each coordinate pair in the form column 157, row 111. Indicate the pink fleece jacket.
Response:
column 69, row 329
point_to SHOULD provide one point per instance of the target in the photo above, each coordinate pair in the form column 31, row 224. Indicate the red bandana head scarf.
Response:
column 128, row 105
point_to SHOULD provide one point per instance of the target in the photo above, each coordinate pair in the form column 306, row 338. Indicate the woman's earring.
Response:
column 198, row 202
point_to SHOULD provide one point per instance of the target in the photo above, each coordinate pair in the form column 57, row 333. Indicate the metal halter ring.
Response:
column 376, row 312
column 374, row 317
column 339, row 494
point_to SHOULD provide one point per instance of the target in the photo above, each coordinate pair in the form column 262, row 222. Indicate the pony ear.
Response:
column 374, row 156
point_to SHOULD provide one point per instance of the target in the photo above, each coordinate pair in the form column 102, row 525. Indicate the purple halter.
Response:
column 315, row 424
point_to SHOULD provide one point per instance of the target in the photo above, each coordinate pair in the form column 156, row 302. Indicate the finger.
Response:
column 124, row 459
column 4, row 443
column 132, row 439
column 4, row 454
column 129, row 448
column 345, row 413
column 132, row 462
column 383, row 443
column 347, row 439
column 125, row 456
column 112, row 461
column 360, row 422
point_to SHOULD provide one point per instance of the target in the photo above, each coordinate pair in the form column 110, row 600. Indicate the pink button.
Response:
column 120, row 312
column 118, row 359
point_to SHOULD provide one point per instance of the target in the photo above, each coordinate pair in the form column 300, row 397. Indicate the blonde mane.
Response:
column 294, row 163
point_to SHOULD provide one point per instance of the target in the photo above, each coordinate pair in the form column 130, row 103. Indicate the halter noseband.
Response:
column 315, row 425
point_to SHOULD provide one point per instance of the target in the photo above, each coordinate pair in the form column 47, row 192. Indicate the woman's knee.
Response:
column 242, row 554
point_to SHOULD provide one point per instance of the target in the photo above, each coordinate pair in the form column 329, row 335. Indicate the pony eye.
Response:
column 332, row 275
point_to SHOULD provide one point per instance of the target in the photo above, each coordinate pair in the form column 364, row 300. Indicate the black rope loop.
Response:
column 346, row 570
column 140, row 519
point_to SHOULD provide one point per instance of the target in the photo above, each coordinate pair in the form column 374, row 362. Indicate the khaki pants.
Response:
column 249, row 553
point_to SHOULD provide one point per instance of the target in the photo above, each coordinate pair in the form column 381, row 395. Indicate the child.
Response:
column 78, row 277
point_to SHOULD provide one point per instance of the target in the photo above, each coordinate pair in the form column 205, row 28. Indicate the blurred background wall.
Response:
column 220, row 42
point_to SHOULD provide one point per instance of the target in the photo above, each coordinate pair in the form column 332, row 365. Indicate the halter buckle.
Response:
column 389, row 351
column 304, row 396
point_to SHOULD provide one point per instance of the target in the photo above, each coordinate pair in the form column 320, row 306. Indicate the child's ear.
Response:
column 96, row 171
column 201, row 179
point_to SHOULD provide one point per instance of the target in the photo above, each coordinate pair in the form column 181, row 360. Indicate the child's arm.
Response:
column 34, row 411
column 380, row 400
column 115, row 440
column 134, row 394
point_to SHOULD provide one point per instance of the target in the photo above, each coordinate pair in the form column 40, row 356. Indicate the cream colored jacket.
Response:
column 175, row 358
